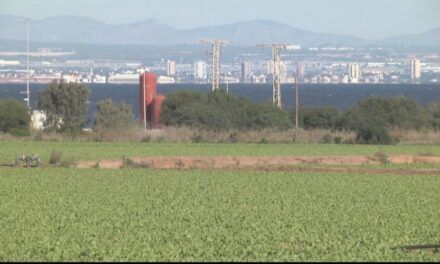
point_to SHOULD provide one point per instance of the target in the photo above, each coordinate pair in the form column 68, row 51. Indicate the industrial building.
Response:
column 150, row 103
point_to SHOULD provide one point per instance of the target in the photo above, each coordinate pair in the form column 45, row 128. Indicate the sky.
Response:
column 370, row 19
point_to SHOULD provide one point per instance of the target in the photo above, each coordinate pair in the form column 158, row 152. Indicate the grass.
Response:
column 135, row 214
column 94, row 150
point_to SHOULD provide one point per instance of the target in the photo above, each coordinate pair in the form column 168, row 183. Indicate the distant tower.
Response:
column 354, row 73
column 277, row 70
column 215, row 63
column 415, row 70
column 245, row 71
column 171, row 68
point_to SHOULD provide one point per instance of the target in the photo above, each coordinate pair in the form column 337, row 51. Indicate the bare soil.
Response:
column 269, row 163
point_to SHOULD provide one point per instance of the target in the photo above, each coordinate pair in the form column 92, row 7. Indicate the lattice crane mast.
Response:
column 276, row 48
column 215, row 66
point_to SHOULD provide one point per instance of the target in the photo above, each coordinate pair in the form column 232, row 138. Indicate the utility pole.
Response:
column 215, row 66
column 276, row 48
column 296, row 106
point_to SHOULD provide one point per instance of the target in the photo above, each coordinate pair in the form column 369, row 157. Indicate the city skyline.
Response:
column 371, row 20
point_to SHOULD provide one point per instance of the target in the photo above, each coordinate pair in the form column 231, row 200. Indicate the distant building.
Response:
column 301, row 71
column 165, row 79
column 123, row 78
column 283, row 71
column 38, row 118
column 99, row 78
column 269, row 67
column 354, row 73
column 171, row 68
column 415, row 70
column 200, row 72
column 245, row 71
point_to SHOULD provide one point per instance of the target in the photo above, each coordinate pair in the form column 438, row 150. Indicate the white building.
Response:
column 165, row 79
column 415, row 69
column 245, row 71
column 37, row 119
column 354, row 73
column 123, row 78
column 200, row 71
column 171, row 68
column 99, row 78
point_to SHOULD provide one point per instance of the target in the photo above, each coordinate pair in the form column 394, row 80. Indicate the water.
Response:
column 340, row 96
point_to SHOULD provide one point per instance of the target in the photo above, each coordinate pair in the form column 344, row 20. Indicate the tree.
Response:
column 14, row 118
column 110, row 115
column 65, row 105
column 220, row 111
column 370, row 121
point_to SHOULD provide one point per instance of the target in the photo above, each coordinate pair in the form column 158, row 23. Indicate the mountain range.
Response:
column 75, row 29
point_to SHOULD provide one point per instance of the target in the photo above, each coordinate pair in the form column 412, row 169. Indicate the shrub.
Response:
column 55, row 157
column 14, row 118
column 110, row 115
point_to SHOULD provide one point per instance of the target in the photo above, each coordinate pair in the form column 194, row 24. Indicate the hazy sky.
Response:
column 363, row 18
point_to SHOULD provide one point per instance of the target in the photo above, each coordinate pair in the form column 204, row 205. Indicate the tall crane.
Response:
column 276, row 48
column 216, row 48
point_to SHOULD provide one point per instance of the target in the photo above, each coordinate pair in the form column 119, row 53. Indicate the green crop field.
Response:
column 95, row 150
column 139, row 214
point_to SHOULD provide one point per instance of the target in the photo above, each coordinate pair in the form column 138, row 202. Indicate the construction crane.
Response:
column 215, row 66
column 276, row 48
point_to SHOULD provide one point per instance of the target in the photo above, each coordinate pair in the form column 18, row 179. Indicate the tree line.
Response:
column 66, row 105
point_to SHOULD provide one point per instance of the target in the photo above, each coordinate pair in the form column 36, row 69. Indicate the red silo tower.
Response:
column 155, row 114
column 147, row 92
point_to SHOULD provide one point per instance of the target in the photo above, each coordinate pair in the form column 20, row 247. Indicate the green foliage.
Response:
column 65, row 105
column 434, row 110
column 318, row 117
column 220, row 111
column 110, row 115
column 373, row 117
column 14, row 118
column 148, row 215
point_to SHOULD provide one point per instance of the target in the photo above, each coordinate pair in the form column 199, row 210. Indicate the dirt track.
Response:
column 268, row 163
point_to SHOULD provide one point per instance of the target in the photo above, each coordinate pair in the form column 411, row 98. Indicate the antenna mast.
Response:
column 215, row 66
column 28, row 92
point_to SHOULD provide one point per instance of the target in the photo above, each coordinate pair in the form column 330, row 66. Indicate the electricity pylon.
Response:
column 215, row 66
column 276, row 48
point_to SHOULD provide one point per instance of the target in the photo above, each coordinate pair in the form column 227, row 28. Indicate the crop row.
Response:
column 135, row 214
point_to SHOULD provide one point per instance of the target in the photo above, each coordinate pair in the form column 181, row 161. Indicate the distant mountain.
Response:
column 426, row 39
column 73, row 29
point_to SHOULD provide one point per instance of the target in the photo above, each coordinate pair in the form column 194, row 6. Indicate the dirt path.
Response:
column 270, row 163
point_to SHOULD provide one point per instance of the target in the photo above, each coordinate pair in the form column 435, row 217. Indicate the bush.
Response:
column 14, row 118
column 110, row 115
column 219, row 111
column 55, row 157
column 372, row 118
column 311, row 117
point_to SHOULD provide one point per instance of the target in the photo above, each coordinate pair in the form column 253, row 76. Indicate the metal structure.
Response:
column 28, row 91
column 215, row 66
column 147, row 92
column 276, row 49
column 296, row 107
column 28, row 159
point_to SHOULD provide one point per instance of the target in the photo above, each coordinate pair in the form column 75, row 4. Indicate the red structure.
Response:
column 155, row 114
column 149, row 103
